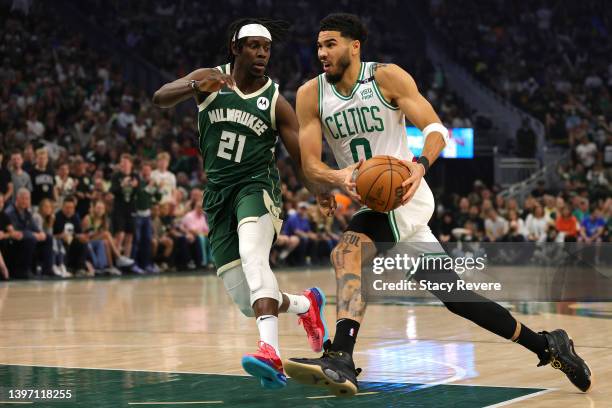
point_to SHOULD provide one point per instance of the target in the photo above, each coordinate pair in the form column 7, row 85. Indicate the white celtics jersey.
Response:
column 363, row 125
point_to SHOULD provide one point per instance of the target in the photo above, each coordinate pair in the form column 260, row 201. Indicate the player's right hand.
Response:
column 348, row 175
column 214, row 81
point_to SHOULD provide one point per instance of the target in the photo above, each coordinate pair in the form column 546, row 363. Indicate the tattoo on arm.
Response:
column 377, row 65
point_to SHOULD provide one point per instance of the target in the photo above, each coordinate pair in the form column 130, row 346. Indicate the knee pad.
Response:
column 255, row 241
column 237, row 287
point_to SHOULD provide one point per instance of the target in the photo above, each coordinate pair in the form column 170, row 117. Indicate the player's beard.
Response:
column 343, row 63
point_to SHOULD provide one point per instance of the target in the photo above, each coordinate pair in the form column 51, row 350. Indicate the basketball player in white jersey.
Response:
column 361, row 109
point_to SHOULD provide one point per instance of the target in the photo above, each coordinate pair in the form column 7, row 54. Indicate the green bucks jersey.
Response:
column 238, row 134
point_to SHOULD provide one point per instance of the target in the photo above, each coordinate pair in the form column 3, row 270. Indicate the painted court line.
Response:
column 175, row 403
column 400, row 381
column 333, row 396
column 517, row 399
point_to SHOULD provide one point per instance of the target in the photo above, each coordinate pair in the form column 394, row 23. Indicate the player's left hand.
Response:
column 327, row 203
column 411, row 184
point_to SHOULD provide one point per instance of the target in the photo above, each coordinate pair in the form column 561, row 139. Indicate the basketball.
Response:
column 379, row 183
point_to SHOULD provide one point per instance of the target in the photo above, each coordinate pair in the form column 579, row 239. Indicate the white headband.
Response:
column 253, row 30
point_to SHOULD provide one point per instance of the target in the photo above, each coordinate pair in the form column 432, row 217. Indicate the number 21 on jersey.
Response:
column 230, row 143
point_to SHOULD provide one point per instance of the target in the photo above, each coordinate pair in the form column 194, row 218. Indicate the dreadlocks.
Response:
column 278, row 29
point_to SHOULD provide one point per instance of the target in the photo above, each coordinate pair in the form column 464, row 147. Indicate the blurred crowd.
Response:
column 549, row 58
column 569, row 215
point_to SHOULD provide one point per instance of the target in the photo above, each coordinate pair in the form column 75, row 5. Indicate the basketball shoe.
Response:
column 313, row 320
column 562, row 356
column 266, row 365
column 335, row 370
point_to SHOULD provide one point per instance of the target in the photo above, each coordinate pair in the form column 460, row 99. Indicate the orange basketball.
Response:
column 379, row 183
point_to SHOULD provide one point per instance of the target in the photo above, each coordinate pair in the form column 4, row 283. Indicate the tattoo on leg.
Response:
column 346, row 260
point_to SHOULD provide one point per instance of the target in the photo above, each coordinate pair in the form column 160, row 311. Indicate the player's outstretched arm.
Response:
column 399, row 87
column 311, row 143
column 196, row 84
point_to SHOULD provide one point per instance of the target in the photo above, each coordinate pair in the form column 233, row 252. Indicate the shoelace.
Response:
column 305, row 320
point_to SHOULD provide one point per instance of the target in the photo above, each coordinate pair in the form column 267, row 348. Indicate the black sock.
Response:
column 346, row 335
column 533, row 341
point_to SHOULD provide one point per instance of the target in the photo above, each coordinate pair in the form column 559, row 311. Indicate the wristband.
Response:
column 425, row 162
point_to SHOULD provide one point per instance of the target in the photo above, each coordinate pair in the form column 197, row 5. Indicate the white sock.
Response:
column 268, row 330
column 297, row 303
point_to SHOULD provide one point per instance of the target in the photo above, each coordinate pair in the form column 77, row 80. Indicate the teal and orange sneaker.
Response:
column 266, row 365
column 313, row 320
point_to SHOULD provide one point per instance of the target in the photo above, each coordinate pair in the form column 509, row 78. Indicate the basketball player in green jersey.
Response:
column 240, row 114
column 360, row 108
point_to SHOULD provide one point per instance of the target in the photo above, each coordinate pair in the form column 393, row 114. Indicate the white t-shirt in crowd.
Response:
column 587, row 153
column 537, row 227
column 166, row 182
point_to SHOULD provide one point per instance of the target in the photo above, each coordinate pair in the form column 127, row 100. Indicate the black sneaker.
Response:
column 335, row 370
column 562, row 356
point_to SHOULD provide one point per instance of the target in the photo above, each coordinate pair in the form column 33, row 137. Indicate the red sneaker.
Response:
column 266, row 365
column 313, row 320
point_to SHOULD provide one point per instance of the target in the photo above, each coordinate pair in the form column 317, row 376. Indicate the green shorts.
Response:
column 231, row 206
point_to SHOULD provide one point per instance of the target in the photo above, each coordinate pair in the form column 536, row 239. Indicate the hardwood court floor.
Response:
column 151, row 333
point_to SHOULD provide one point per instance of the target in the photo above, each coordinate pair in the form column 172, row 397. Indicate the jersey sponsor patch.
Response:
column 263, row 103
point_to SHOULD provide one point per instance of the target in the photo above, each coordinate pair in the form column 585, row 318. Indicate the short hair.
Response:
column 128, row 157
column 163, row 155
column 70, row 199
column 349, row 26
column 23, row 190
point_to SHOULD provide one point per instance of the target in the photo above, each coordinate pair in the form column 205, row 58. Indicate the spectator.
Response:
column 84, row 186
column 43, row 180
column 581, row 212
column 474, row 217
column 463, row 214
column 44, row 219
column 67, row 229
column 298, row 224
column 124, row 184
column 147, row 195
column 96, row 225
column 5, row 233
column 26, row 237
column 163, row 244
column 586, row 152
column 19, row 177
column 517, row 231
column 6, row 183
column 446, row 227
column 66, row 185
column 592, row 227
column 163, row 178
column 567, row 225
column 496, row 227
column 195, row 226
column 536, row 225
